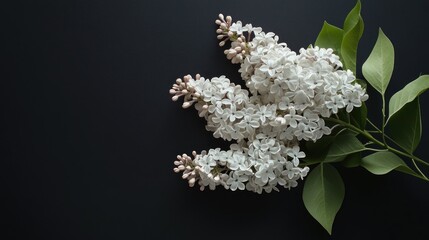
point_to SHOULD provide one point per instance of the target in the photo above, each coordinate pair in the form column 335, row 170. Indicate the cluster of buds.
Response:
column 194, row 172
column 182, row 88
column 223, row 30
column 184, row 163
column 234, row 32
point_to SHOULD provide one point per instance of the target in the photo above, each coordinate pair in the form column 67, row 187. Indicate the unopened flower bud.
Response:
column 186, row 104
column 191, row 181
column 280, row 120
column 174, row 98
column 228, row 19
column 181, row 167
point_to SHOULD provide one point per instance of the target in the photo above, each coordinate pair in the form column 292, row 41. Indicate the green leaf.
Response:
column 380, row 163
column 323, row 194
column 353, row 30
column 378, row 68
column 352, row 160
column 353, row 17
column 405, row 126
column 343, row 145
column 316, row 151
column 408, row 94
column 358, row 116
column 330, row 37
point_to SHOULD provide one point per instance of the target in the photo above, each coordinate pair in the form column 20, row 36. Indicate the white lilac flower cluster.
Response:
column 290, row 95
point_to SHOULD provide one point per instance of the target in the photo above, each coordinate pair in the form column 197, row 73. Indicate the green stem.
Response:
column 368, row 136
column 373, row 125
column 383, row 136
column 376, row 150
column 418, row 169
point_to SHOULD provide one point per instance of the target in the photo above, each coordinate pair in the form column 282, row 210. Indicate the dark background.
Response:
column 89, row 132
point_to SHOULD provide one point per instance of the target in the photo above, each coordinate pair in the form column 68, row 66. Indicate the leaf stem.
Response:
column 383, row 110
column 368, row 136
column 418, row 169
column 376, row 150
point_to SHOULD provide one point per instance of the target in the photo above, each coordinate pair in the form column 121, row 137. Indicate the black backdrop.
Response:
column 89, row 132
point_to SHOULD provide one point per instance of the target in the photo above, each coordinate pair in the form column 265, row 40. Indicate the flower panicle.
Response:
column 288, row 96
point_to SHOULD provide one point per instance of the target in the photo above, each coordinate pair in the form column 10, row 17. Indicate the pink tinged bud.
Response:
column 221, row 17
column 177, row 163
column 217, row 178
column 237, row 49
column 185, row 175
column 172, row 91
column 178, row 81
column 186, row 104
column 205, row 107
column 188, row 167
column 194, row 153
column 197, row 76
column 202, row 188
column 223, row 25
column 221, row 44
column 219, row 31
column 184, row 91
column 176, row 170
column 218, row 22
column 197, row 95
column 230, row 34
column 219, row 37
column 228, row 19
column 191, row 181
column 174, row 98
column 181, row 167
